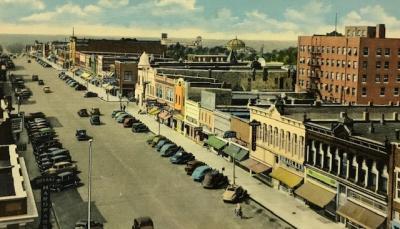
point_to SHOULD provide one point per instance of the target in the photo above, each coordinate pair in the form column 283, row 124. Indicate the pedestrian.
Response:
column 223, row 169
column 123, row 107
column 238, row 211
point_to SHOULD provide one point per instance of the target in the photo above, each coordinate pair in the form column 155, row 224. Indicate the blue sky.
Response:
column 247, row 19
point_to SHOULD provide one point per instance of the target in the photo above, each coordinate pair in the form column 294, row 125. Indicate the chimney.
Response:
column 382, row 119
column 395, row 116
column 380, row 31
column 397, row 132
column 371, row 128
column 366, row 116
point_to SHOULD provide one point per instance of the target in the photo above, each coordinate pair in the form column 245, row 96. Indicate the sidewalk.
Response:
column 281, row 204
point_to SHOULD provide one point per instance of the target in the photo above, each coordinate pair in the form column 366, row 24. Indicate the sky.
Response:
column 211, row 19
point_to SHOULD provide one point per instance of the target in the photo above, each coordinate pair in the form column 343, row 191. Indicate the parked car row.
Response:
column 128, row 121
column 71, row 82
column 43, row 63
column 20, row 90
column 51, row 158
column 94, row 115
column 199, row 171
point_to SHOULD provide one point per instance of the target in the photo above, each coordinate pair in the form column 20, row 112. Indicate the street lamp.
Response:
column 89, row 181
column 229, row 135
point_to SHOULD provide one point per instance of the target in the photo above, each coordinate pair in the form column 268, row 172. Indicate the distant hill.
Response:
column 269, row 45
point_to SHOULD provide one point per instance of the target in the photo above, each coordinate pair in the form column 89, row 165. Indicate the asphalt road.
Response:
column 129, row 178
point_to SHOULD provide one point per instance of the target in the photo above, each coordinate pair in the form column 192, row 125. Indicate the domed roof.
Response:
column 144, row 60
column 235, row 44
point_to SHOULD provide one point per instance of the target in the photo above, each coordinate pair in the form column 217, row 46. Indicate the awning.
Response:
column 360, row 215
column 179, row 117
column 215, row 142
column 154, row 111
column 236, row 152
column 308, row 191
column 288, row 178
column 164, row 115
column 255, row 166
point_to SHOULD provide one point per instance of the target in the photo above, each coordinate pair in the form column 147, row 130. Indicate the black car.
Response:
column 141, row 128
column 181, row 157
column 90, row 94
column 65, row 180
column 40, row 82
column 95, row 120
column 83, row 113
column 81, row 135
column 35, row 77
column 80, row 87
column 215, row 179
column 83, row 224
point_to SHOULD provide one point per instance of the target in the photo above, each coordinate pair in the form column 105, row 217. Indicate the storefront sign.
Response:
column 254, row 124
column 291, row 164
column 322, row 178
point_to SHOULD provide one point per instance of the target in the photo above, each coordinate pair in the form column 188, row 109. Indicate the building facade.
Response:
column 361, row 67
column 127, row 75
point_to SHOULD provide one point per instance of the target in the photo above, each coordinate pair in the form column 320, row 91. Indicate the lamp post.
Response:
column 89, row 181
column 159, row 123
column 229, row 135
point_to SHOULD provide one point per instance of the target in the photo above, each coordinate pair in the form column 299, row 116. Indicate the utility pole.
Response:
column 89, row 182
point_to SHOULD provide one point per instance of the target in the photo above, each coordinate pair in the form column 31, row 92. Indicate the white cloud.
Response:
column 69, row 8
column 186, row 4
column 36, row 4
column 113, row 3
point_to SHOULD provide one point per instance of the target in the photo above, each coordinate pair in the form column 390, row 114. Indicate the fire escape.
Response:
column 315, row 68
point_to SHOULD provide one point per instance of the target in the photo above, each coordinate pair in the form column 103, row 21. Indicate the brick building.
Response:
column 360, row 67
column 127, row 74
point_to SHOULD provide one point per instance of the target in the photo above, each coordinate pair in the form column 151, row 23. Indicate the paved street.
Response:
column 129, row 178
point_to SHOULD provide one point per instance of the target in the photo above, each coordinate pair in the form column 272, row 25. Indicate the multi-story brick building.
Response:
column 360, row 67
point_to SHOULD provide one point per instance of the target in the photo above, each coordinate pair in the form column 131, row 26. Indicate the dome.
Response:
column 235, row 44
column 144, row 60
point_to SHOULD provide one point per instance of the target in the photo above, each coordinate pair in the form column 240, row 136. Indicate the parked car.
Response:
column 114, row 112
column 44, row 166
column 214, row 179
column 89, row 94
column 143, row 223
column 46, row 89
column 80, row 87
column 156, row 140
column 192, row 165
column 118, row 114
column 129, row 121
column 62, row 167
column 122, row 117
column 234, row 193
column 83, row 224
column 40, row 82
column 35, row 77
column 199, row 173
column 45, row 145
column 95, row 111
column 81, row 135
column 73, row 84
column 181, row 157
column 83, row 113
column 162, row 143
column 95, row 120
column 65, row 180
column 140, row 128
column 169, row 150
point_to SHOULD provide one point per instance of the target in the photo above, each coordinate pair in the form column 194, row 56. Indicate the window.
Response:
column 355, row 78
column 382, row 93
column 159, row 91
column 365, row 51
column 328, row 50
column 364, row 78
column 396, row 91
column 128, row 76
column 398, row 65
column 386, row 65
column 397, row 185
column 387, row 51
column 398, row 78
column 337, row 76
column 170, row 96
column 378, row 64
column 355, row 51
column 365, row 64
column 343, row 77
column 385, row 78
column 343, row 63
column 378, row 78
column 355, row 64
column 353, row 91
column 364, row 91
column 336, row 88
column 379, row 51
column 333, row 49
column 398, row 52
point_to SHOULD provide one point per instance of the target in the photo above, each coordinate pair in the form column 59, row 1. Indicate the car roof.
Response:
column 202, row 168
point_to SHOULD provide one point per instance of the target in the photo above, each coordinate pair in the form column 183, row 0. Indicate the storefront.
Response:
column 165, row 118
column 236, row 152
column 355, row 216
column 285, row 180
column 216, row 144
column 178, row 122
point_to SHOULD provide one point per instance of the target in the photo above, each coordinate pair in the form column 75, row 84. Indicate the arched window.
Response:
column 288, row 144
column 276, row 135
column 282, row 140
column 270, row 135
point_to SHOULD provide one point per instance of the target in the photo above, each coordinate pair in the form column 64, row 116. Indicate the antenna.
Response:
column 335, row 23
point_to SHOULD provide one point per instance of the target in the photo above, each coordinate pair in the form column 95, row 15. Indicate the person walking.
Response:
column 238, row 211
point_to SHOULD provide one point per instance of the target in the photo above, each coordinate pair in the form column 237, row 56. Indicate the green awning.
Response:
column 236, row 152
column 215, row 142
